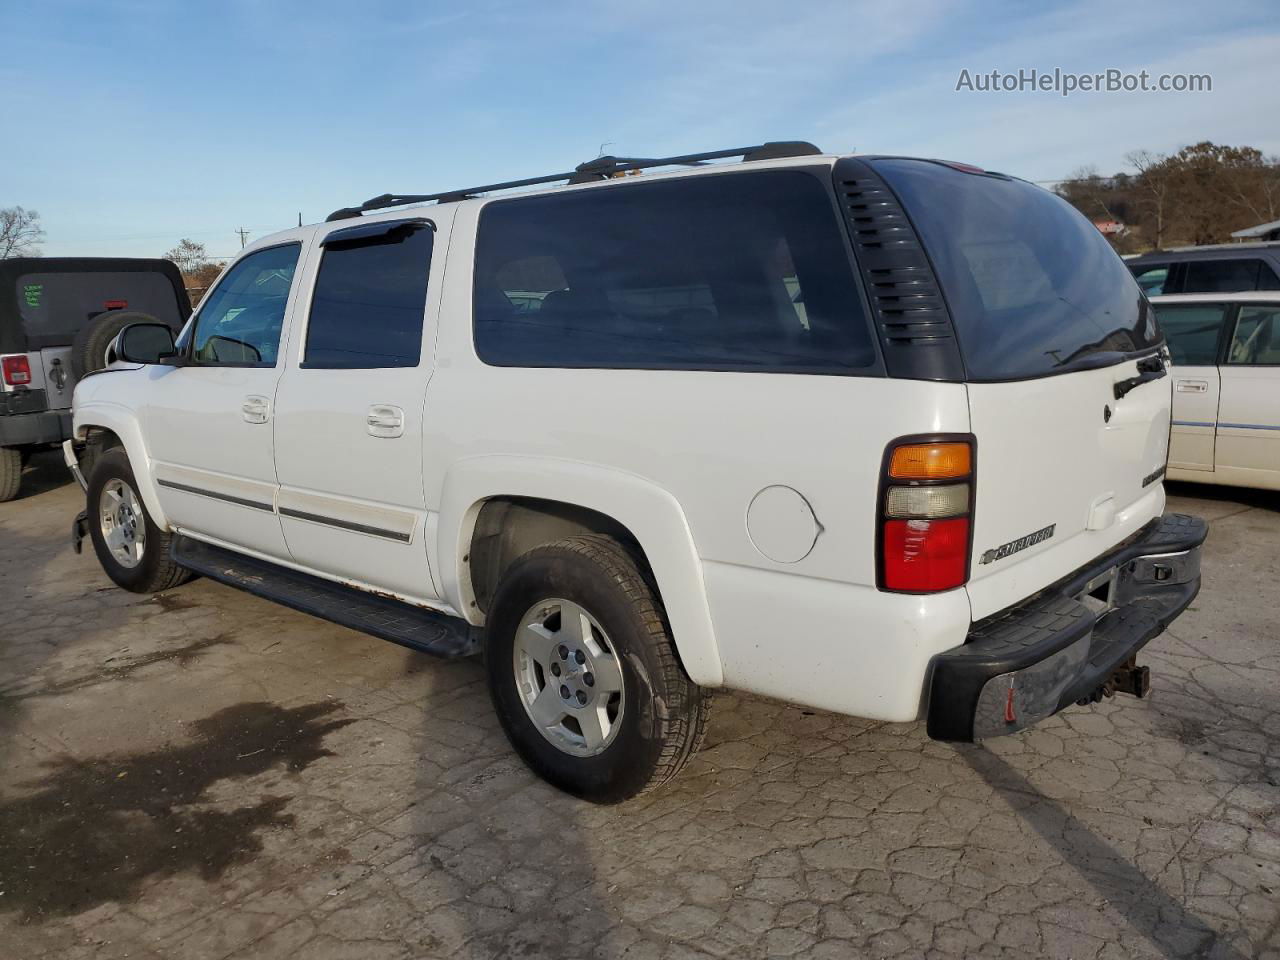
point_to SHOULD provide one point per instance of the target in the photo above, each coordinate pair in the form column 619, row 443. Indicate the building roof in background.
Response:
column 1262, row 231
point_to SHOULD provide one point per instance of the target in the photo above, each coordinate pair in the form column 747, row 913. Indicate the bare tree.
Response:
column 1093, row 195
column 20, row 231
column 1153, row 185
column 189, row 256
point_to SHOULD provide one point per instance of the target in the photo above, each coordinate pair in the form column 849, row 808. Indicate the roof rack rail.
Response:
column 601, row 168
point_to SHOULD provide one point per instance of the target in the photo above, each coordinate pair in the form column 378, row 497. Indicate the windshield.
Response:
column 1032, row 286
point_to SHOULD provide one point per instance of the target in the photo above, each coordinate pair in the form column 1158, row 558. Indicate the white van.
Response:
column 877, row 435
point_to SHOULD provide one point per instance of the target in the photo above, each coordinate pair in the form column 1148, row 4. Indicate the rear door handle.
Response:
column 385, row 420
column 255, row 409
column 1193, row 386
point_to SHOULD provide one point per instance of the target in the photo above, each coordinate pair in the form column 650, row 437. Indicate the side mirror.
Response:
column 145, row 343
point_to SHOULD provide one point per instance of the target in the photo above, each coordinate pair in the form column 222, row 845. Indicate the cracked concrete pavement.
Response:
column 203, row 774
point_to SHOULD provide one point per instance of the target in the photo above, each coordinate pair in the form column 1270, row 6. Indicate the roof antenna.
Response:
column 600, row 152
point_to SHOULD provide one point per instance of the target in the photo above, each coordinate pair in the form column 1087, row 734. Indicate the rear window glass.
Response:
column 1032, row 286
column 1192, row 330
column 369, row 301
column 55, row 306
column 730, row 271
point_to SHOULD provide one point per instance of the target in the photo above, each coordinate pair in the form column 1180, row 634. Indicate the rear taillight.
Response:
column 17, row 370
column 926, row 504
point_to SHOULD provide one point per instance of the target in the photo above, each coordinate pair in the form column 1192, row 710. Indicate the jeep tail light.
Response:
column 17, row 370
column 926, row 504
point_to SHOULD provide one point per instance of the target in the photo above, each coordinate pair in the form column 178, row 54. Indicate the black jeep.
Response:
column 58, row 316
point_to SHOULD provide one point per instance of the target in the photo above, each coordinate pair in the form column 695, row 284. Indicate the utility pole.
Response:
column 244, row 234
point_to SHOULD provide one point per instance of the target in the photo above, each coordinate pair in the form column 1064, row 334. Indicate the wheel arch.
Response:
column 121, row 423
column 554, row 499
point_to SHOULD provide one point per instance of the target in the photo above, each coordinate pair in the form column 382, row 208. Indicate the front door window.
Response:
column 240, row 321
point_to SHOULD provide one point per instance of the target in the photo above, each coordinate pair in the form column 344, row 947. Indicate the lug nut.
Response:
column 555, row 669
column 564, row 692
column 579, row 656
column 582, row 697
column 563, row 651
column 589, row 679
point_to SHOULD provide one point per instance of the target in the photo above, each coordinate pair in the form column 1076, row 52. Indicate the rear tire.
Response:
column 117, row 515
column 10, row 473
column 631, row 717
column 89, row 346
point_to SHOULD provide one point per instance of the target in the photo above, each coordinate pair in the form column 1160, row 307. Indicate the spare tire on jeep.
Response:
column 89, row 347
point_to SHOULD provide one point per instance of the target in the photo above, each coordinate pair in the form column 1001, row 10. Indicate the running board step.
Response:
column 419, row 629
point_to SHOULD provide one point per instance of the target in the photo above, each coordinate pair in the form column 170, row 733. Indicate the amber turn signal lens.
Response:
column 931, row 461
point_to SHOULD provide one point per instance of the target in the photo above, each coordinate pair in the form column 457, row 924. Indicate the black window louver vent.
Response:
column 915, row 328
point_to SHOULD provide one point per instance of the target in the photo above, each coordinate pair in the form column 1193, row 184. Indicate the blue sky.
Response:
column 129, row 124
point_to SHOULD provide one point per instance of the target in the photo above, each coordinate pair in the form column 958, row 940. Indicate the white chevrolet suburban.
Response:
column 876, row 435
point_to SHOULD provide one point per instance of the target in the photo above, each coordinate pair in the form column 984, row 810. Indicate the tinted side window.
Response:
column 1152, row 278
column 240, row 320
column 725, row 272
column 369, row 301
column 1220, row 276
column 1267, row 278
column 1192, row 331
column 1257, row 335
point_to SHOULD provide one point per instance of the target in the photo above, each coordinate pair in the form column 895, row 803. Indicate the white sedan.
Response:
column 1226, row 387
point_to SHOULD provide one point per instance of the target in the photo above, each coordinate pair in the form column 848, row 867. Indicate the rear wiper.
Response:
column 1149, row 368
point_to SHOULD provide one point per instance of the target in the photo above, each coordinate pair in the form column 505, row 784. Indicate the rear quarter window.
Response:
column 1032, row 287
column 723, row 272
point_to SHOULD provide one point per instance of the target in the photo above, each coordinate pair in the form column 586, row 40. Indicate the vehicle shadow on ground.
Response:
column 1147, row 908
column 1243, row 497
column 94, row 830
column 78, row 832
column 45, row 471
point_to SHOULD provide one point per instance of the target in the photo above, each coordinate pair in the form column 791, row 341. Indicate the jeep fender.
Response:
column 122, row 421
column 650, row 513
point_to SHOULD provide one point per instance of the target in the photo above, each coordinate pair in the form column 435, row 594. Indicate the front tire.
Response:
column 132, row 549
column 583, row 672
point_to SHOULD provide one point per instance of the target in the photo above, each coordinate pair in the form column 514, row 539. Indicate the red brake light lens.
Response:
column 17, row 370
column 926, row 555
column 926, row 501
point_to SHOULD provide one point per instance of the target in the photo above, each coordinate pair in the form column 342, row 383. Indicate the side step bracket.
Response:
column 427, row 631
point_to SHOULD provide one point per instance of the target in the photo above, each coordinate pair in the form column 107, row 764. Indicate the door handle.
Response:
column 255, row 409
column 385, row 420
column 1193, row 386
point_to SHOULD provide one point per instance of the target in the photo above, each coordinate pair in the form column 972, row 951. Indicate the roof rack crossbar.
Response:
column 601, row 168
